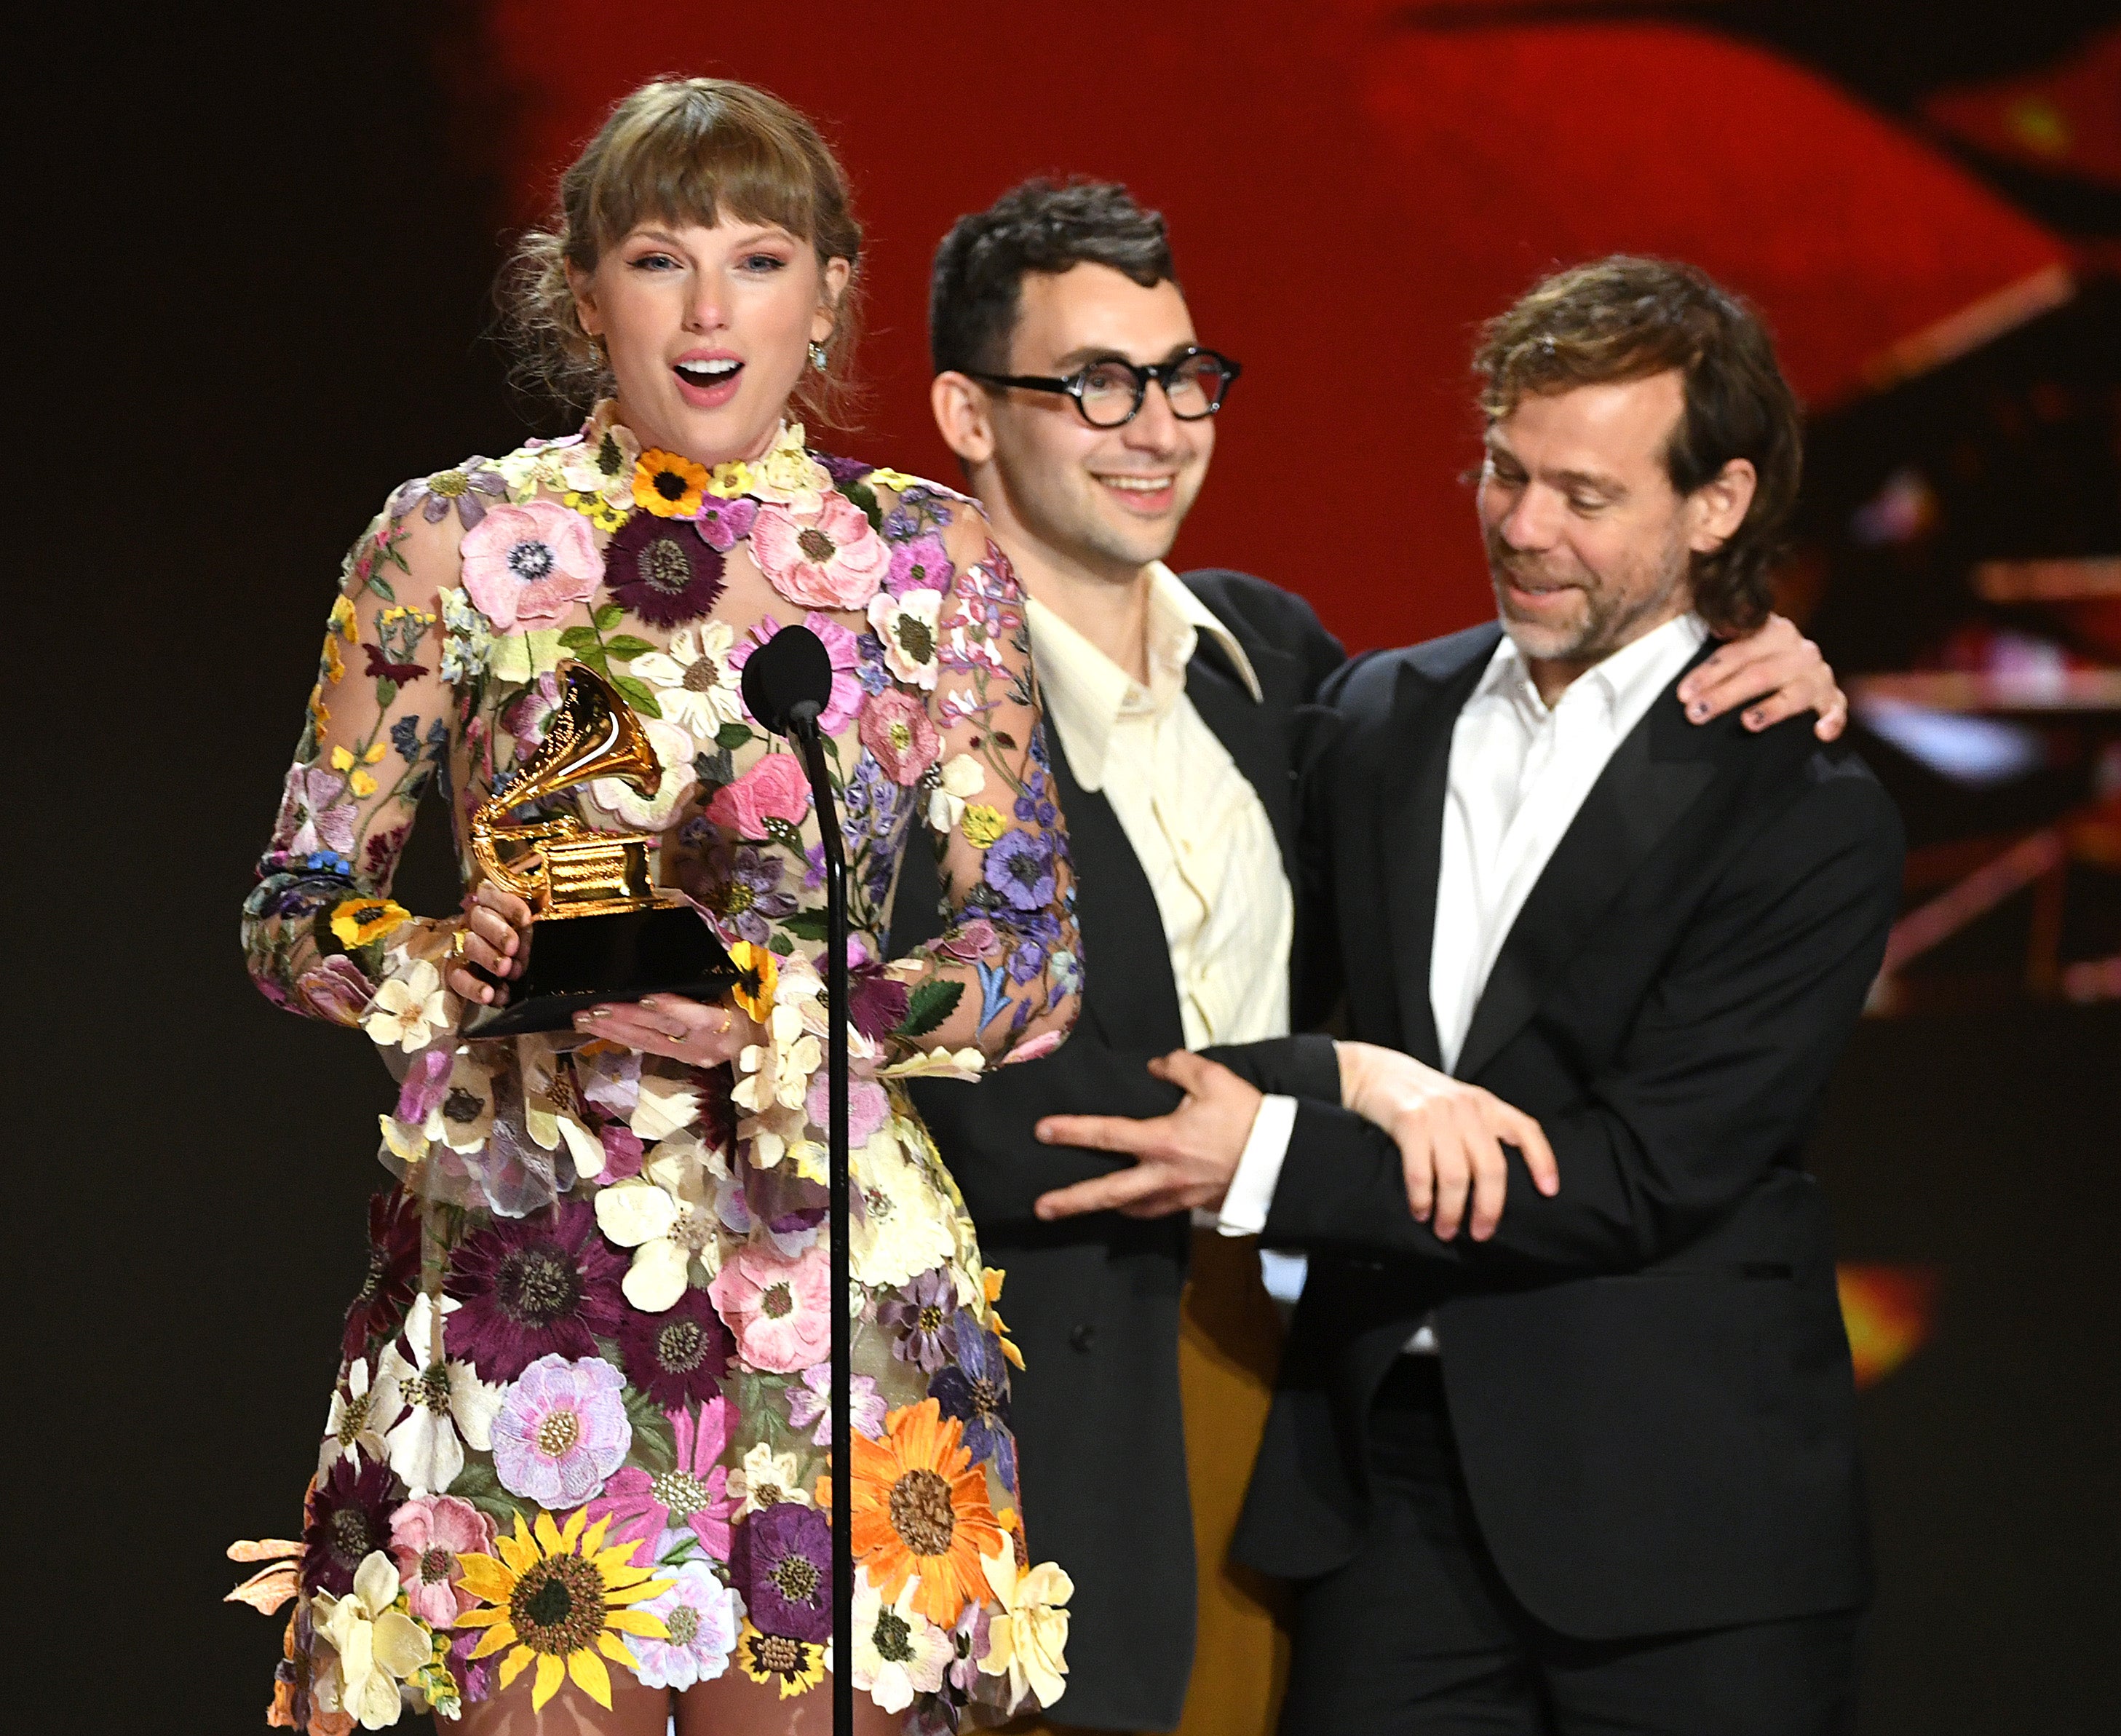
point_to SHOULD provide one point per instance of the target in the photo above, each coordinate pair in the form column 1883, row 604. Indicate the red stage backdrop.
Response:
column 1352, row 187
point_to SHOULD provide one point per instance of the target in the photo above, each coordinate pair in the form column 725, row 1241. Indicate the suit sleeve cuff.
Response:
column 1259, row 1168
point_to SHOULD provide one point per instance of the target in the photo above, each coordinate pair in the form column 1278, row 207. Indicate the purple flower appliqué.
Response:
column 919, row 565
column 560, row 1432
column 1020, row 868
column 724, row 523
column 542, row 1285
column 783, row 1561
column 679, row 1356
column 467, row 488
column 921, row 1317
column 663, row 570
column 844, row 469
column 970, row 1642
column 974, row 1389
column 877, row 1003
column 394, row 1272
column 694, row 1494
column 745, row 888
column 812, row 1402
column 350, row 1514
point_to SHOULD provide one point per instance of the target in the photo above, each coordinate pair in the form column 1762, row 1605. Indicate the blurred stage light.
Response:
column 1977, row 752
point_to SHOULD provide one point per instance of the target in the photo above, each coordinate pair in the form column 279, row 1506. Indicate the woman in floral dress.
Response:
column 575, row 1470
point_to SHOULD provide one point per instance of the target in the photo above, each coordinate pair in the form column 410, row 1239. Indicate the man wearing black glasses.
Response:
column 1072, row 383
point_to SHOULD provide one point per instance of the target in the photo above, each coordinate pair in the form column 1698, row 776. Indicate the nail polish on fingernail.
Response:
column 1697, row 710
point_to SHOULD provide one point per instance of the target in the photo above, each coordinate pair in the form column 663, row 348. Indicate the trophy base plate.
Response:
column 594, row 960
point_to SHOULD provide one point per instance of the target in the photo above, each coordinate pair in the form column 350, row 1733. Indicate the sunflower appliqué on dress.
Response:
column 580, row 1420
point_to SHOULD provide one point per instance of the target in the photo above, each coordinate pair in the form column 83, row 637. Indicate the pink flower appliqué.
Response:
column 895, row 728
column 776, row 788
column 527, row 566
column 427, row 1537
column 563, row 1430
column 868, row 1108
column 831, row 558
column 694, row 1494
column 780, row 1310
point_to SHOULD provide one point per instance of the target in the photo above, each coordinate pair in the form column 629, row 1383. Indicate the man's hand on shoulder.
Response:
column 1449, row 1136
column 1183, row 1161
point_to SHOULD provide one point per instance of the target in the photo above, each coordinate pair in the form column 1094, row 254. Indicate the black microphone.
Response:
column 787, row 685
column 788, row 680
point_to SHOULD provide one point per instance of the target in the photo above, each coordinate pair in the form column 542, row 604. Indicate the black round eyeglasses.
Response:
column 1110, row 393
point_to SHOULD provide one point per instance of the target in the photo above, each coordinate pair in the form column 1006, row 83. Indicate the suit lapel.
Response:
column 1255, row 733
column 1411, row 786
column 1122, row 929
column 1653, row 777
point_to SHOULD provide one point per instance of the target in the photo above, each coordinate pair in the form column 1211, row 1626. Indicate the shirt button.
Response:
column 1083, row 1338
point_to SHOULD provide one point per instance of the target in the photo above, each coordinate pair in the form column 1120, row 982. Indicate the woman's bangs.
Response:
column 684, row 167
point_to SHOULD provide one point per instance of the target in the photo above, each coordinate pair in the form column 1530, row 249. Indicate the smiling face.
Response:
column 708, row 330
column 1589, row 545
column 1105, row 499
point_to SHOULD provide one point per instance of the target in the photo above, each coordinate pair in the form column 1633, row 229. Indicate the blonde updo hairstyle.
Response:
column 682, row 151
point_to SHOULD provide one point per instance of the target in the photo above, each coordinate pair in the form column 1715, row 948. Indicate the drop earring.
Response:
column 817, row 356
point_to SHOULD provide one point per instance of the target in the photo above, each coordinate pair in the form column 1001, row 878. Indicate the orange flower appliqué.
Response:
column 668, row 484
column 920, row 1508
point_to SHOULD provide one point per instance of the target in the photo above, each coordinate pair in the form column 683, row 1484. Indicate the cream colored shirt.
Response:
column 1196, row 824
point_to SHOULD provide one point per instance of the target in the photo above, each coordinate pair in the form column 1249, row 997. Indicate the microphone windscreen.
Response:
column 792, row 669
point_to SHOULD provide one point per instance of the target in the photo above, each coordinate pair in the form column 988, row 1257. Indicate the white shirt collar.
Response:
column 1623, row 686
column 1087, row 694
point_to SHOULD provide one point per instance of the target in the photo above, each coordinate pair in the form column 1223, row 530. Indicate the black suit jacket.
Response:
column 1646, row 1373
column 1093, row 1303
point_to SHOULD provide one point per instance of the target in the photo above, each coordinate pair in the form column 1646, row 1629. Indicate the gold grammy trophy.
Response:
column 603, row 930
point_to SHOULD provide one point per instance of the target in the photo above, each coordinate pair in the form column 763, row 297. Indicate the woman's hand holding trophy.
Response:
column 495, row 938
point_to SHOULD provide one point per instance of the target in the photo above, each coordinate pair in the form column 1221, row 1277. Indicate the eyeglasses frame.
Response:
column 1154, row 373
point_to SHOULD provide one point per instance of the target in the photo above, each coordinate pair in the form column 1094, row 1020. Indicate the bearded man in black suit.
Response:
column 1563, row 1439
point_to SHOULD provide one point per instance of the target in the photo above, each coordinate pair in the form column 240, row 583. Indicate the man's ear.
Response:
column 960, row 407
column 1719, row 506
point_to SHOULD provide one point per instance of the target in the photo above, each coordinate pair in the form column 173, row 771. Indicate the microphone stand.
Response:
column 787, row 685
column 803, row 731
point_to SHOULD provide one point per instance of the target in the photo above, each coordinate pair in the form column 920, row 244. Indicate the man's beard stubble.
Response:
column 1611, row 614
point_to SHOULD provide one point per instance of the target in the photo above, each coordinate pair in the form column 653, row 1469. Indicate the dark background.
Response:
column 257, row 252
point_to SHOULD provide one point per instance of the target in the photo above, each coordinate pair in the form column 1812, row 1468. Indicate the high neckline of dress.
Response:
column 789, row 441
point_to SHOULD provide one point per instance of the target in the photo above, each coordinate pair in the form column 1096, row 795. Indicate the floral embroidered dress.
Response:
column 581, row 1419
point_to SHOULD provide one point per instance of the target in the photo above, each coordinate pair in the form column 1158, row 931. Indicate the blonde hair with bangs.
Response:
column 682, row 151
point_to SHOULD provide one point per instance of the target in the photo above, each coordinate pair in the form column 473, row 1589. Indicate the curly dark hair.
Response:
column 1625, row 318
column 976, row 285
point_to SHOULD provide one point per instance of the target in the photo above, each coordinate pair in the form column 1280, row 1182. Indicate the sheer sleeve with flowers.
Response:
column 376, row 736
column 1006, row 975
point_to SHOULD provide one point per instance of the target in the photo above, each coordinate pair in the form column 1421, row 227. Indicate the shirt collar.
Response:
column 1622, row 687
column 1087, row 694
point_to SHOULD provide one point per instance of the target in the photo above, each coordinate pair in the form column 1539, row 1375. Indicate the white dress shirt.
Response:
column 1520, row 769
column 1195, row 822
